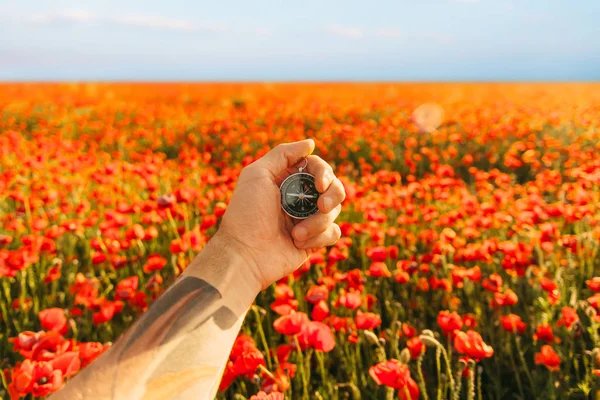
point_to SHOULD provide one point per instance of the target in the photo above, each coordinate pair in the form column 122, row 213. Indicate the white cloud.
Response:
column 394, row 33
column 63, row 15
column 154, row 22
column 344, row 31
column 389, row 33
column 466, row 1
column 440, row 37
column 132, row 20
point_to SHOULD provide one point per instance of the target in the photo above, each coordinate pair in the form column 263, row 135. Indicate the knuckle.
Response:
column 341, row 188
column 337, row 232
column 245, row 171
column 281, row 148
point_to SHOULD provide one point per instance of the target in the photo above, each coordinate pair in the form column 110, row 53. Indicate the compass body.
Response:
column 299, row 195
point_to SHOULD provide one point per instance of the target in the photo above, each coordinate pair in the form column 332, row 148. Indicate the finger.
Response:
column 327, row 238
column 314, row 225
column 322, row 172
column 332, row 197
column 285, row 155
column 315, row 166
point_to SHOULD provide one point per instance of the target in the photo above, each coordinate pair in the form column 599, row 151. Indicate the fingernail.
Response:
column 328, row 203
column 301, row 233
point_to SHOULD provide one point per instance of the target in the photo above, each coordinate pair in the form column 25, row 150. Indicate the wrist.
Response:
column 227, row 267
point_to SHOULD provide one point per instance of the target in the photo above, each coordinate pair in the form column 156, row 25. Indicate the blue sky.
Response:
column 433, row 40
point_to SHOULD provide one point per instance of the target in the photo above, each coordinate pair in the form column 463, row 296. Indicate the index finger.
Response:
column 317, row 167
column 285, row 155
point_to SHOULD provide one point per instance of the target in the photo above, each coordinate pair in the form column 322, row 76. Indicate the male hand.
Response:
column 274, row 244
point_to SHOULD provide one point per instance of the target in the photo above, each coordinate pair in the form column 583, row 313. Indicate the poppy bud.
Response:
column 405, row 356
column 372, row 339
column 429, row 341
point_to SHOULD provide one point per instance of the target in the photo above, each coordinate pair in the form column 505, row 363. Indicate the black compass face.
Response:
column 299, row 195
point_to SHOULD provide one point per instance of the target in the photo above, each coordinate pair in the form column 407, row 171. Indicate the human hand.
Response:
column 272, row 243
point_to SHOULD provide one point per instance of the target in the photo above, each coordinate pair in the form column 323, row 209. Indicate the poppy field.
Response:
column 469, row 263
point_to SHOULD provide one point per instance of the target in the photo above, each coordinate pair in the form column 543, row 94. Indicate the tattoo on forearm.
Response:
column 183, row 308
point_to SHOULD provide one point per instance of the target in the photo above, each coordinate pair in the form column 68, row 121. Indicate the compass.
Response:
column 299, row 195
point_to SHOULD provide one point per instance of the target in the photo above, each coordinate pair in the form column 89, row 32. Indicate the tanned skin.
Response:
column 179, row 348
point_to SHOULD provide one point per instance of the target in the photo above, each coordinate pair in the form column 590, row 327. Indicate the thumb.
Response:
column 286, row 155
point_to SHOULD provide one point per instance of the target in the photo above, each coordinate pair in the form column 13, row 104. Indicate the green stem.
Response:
column 438, row 352
column 263, row 338
column 517, row 375
column 420, row 377
column 525, row 366
column 471, row 392
column 302, row 372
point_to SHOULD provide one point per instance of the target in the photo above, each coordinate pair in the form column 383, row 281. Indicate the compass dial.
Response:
column 299, row 195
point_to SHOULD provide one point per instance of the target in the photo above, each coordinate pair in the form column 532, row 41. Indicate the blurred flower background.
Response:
column 468, row 266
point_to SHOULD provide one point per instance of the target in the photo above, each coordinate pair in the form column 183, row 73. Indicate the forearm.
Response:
column 179, row 347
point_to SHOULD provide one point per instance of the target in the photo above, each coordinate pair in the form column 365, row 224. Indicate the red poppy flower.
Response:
column 247, row 359
column 284, row 307
column 108, row 309
column 458, row 276
column 377, row 254
column 47, row 346
column 548, row 285
column 548, row 357
column 351, row 300
column 440, row 284
column 544, row 332
column 154, row 263
column 408, row 330
column 98, row 257
column 401, row 277
column 89, row 351
column 53, row 273
column 594, row 284
column 291, row 324
column 415, row 346
column 178, row 246
column 367, row 320
column 513, row 323
column 469, row 320
column 54, row 319
column 339, row 323
column 68, row 363
column 422, row 285
column 568, row 318
column 320, row 311
column 271, row 396
column 471, row 344
column 474, row 274
column 394, row 374
column 283, row 292
column 320, row 336
column 316, row 294
column 126, row 288
column 594, row 301
column 378, row 270
column 166, row 201
column 449, row 321
column 228, row 376
column 35, row 377
column 509, row 298
column 493, row 283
